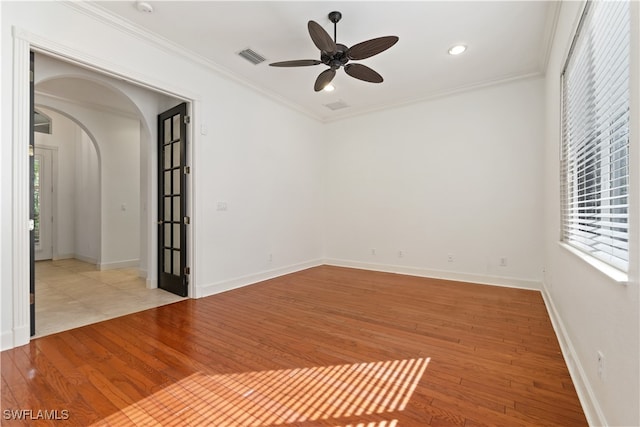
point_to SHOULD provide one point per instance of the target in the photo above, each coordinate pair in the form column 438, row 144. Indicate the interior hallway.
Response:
column 71, row 293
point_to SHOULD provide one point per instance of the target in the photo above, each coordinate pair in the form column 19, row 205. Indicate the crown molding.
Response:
column 442, row 94
column 551, row 25
column 104, row 16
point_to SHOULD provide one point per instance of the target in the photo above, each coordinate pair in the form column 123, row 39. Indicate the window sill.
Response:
column 611, row 272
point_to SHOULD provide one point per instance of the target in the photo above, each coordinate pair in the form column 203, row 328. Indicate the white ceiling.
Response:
column 506, row 40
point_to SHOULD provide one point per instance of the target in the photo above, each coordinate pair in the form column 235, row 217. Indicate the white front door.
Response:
column 43, row 203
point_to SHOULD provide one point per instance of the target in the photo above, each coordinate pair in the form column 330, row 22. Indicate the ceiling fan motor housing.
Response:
column 338, row 59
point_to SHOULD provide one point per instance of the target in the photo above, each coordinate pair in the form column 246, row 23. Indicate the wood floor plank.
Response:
column 327, row 346
column 65, row 360
column 17, row 376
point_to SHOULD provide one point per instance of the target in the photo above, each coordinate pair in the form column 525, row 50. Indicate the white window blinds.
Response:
column 595, row 135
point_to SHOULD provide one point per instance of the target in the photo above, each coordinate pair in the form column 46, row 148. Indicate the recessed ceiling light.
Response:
column 329, row 88
column 144, row 7
column 457, row 49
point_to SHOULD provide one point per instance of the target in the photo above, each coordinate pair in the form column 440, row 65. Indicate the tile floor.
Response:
column 72, row 293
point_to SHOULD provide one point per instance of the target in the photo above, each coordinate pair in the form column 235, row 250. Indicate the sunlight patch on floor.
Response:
column 392, row 423
column 279, row 397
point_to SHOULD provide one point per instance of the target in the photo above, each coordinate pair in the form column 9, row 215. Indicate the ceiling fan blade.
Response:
column 321, row 38
column 296, row 63
column 363, row 72
column 324, row 79
column 371, row 47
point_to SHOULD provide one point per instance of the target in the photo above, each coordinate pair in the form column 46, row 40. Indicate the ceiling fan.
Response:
column 336, row 55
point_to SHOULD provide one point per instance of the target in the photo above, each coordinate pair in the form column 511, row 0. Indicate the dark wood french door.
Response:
column 173, row 273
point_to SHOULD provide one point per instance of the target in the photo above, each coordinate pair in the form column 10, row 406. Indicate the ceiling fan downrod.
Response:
column 335, row 17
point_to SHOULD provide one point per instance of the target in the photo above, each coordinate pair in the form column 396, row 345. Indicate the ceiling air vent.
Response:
column 337, row 105
column 252, row 56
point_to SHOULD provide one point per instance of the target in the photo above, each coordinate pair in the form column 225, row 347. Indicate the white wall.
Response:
column 265, row 163
column 88, row 236
column 118, row 143
column 458, row 175
column 120, row 188
column 592, row 312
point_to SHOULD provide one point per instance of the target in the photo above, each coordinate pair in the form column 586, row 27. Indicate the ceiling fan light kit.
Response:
column 336, row 55
column 457, row 49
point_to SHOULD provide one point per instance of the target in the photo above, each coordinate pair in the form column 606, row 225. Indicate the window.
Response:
column 595, row 135
column 41, row 122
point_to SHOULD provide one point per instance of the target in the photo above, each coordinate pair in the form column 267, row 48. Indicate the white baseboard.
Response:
column 86, row 259
column 16, row 337
column 509, row 282
column 119, row 264
column 592, row 410
column 150, row 283
column 238, row 282
column 6, row 341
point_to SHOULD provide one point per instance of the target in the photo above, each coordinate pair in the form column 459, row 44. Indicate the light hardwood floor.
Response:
column 71, row 293
column 327, row 346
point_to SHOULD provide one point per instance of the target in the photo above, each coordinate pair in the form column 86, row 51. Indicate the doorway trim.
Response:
column 23, row 43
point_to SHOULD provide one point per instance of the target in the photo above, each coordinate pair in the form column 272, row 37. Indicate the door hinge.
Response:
column 31, row 76
column 187, row 170
column 31, row 151
column 32, row 225
column 187, row 270
column 187, row 120
column 187, row 220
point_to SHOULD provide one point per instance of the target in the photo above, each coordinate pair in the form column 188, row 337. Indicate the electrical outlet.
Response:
column 503, row 261
column 601, row 371
column 400, row 254
column 450, row 258
column 270, row 258
column 373, row 251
